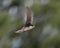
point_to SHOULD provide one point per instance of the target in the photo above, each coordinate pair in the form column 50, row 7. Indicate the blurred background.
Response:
column 46, row 34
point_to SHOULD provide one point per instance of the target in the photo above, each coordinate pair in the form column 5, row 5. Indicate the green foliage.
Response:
column 36, row 9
